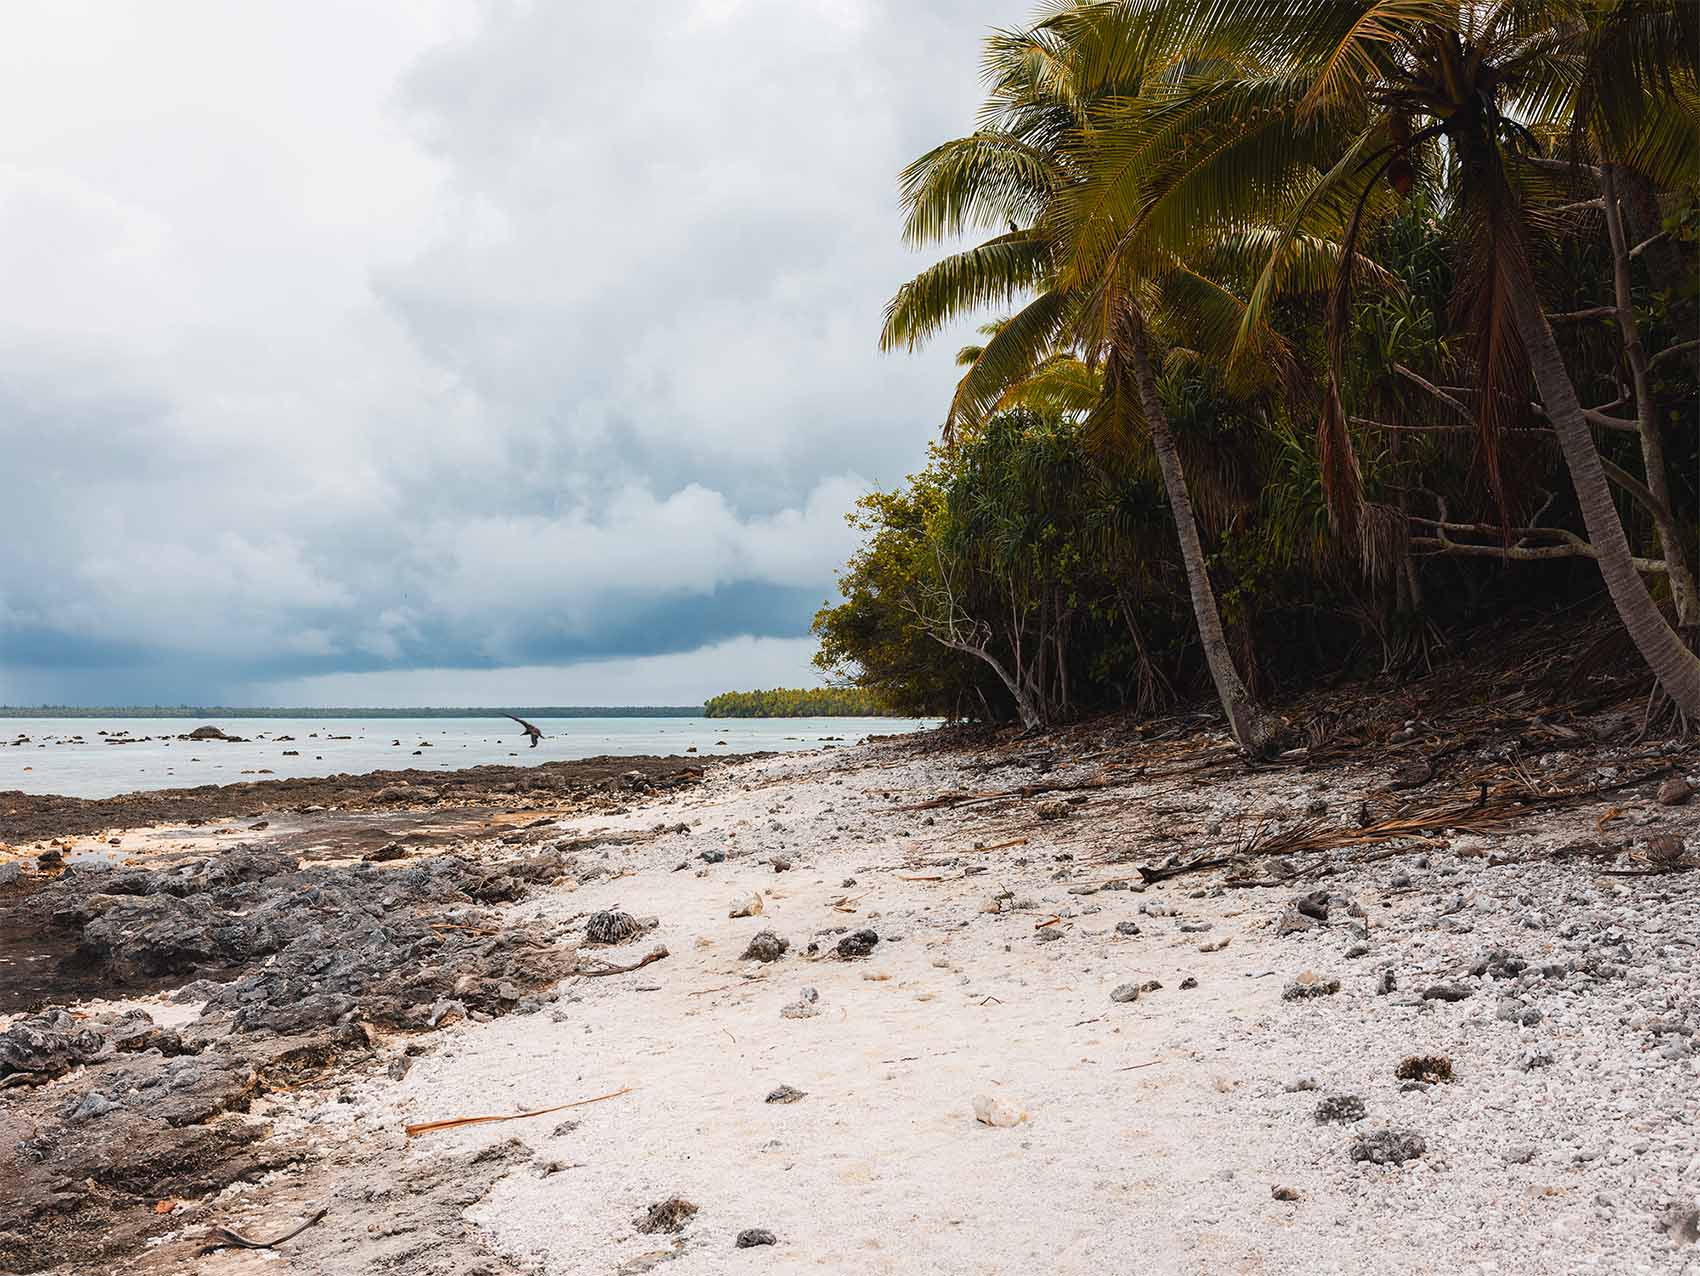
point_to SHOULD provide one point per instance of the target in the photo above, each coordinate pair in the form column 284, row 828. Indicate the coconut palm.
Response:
column 1394, row 85
column 1096, row 289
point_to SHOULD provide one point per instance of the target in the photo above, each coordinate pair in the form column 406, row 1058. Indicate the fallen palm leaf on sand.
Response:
column 427, row 1127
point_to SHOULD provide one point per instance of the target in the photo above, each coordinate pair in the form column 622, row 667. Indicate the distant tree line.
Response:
column 797, row 702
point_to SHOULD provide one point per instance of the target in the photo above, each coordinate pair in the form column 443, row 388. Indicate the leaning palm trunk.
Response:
column 1250, row 728
column 1673, row 664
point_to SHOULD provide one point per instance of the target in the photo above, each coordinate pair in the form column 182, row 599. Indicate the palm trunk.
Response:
column 1245, row 720
column 1673, row 664
column 1646, row 411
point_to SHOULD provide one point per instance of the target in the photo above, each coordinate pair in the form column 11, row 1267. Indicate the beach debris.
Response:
column 1675, row 791
column 750, row 1237
column 1340, row 1107
column 1309, row 985
column 998, row 1113
column 670, row 1215
column 784, row 1094
column 857, row 944
column 751, row 907
column 1447, row 992
column 1424, row 1067
column 1125, row 992
column 609, row 928
column 805, row 1007
column 653, row 955
column 228, row 1238
column 1388, row 1147
column 766, row 946
column 454, row 1123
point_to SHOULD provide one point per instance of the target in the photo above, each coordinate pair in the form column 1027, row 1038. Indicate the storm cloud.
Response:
column 405, row 353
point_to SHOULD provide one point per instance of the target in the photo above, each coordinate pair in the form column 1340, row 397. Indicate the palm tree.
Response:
column 1392, row 84
column 1033, row 160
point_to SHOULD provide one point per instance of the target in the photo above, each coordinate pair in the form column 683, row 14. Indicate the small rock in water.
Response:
column 993, row 1111
column 670, row 1215
column 766, row 946
column 1388, row 1147
column 750, row 1237
column 784, row 1094
column 1341, row 1108
column 1308, row 985
column 857, row 944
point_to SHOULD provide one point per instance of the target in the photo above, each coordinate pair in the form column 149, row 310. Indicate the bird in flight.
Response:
column 530, row 730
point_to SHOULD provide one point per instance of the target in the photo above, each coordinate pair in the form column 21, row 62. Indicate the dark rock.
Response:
column 857, row 944
column 713, row 857
column 1447, row 992
column 1188, row 984
column 784, row 1094
column 1294, row 922
column 780, row 864
column 1127, row 928
column 386, row 853
column 206, row 733
column 610, row 928
column 766, row 946
column 1424, row 1067
column 1499, row 963
column 1314, row 905
column 1340, row 1107
column 1388, row 1147
column 1310, row 985
column 1675, row 791
column 670, row 1215
column 750, row 1237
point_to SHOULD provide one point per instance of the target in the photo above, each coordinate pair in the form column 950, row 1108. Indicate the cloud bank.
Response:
column 383, row 350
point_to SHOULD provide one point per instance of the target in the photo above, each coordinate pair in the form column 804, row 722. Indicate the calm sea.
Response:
column 71, row 755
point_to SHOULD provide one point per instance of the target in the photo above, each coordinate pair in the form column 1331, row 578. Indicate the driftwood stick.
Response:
column 228, row 1238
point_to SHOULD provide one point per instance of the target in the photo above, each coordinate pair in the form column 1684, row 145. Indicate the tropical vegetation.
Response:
column 1320, row 331
column 794, row 702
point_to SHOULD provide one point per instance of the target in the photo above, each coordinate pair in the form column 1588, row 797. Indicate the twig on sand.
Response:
column 427, row 1127
column 655, row 954
column 230, row 1239
column 910, row 877
column 1148, row 1063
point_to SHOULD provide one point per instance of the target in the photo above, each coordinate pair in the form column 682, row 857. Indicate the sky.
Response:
column 452, row 351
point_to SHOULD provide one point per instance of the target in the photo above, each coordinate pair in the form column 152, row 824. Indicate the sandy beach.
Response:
column 1461, row 1050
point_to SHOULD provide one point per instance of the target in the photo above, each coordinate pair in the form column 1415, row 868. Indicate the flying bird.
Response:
column 530, row 730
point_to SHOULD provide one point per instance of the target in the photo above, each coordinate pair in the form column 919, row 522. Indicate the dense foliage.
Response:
column 1340, row 326
column 796, row 702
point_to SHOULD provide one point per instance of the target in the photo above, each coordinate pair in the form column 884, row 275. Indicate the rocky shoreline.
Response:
column 949, row 1004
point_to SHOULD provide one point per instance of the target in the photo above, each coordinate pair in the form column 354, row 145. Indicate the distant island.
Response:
column 796, row 702
column 226, row 711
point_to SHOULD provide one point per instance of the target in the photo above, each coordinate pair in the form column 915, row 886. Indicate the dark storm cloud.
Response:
column 511, row 335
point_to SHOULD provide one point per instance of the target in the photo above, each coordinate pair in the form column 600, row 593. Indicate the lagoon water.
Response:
column 71, row 756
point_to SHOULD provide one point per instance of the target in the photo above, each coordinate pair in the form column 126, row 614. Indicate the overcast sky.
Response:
column 452, row 351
